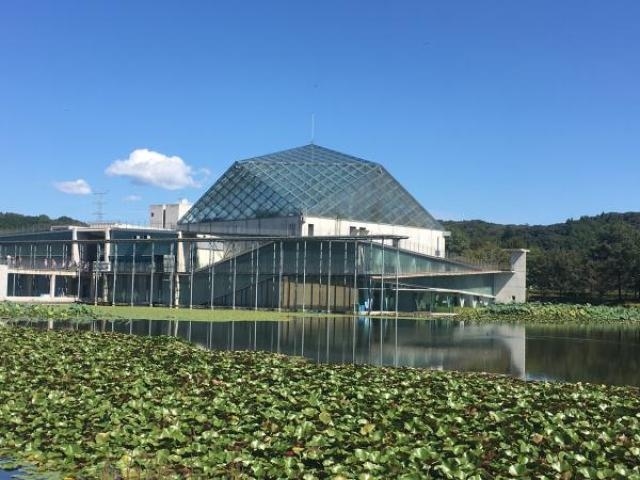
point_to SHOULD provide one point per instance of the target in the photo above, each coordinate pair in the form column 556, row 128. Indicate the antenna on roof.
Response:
column 313, row 127
column 313, row 133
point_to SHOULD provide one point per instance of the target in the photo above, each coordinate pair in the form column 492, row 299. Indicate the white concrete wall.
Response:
column 430, row 242
column 4, row 276
column 205, row 253
column 167, row 215
column 512, row 286
column 209, row 252
column 155, row 215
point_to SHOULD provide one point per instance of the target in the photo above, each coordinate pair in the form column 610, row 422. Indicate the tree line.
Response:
column 592, row 259
column 15, row 221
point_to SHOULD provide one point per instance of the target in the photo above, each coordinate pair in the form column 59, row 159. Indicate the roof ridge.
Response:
column 304, row 149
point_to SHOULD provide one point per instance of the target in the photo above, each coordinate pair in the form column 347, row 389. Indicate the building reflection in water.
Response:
column 436, row 344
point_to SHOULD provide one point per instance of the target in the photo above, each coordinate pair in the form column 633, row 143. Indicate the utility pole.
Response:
column 98, row 202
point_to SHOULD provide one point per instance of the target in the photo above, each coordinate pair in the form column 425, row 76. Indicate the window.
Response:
column 353, row 230
column 310, row 230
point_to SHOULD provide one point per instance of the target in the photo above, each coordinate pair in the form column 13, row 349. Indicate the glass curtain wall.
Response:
column 298, row 273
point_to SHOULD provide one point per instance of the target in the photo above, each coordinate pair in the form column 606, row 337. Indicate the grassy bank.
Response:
column 80, row 312
column 205, row 314
column 538, row 313
column 105, row 405
column 551, row 313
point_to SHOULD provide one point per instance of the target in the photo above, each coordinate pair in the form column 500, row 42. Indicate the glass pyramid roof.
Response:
column 309, row 180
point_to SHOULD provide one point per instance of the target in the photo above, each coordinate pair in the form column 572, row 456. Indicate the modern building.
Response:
column 69, row 263
column 314, row 191
column 303, row 229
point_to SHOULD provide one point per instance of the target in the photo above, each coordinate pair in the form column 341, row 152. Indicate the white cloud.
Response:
column 153, row 168
column 132, row 198
column 74, row 187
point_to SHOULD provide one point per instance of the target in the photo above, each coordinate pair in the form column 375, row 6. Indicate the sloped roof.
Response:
column 309, row 180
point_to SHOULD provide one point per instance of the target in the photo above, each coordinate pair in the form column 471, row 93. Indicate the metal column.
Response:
column 382, row 280
column 151, row 275
column 211, row 277
column 133, row 273
column 329, row 282
column 304, row 279
column 257, row 276
column 280, row 290
column 115, row 273
column 191, row 267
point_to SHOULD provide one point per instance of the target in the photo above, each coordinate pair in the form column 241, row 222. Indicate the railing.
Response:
column 38, row 228
column 138, row 224
column 46, row 267
column 501, row 264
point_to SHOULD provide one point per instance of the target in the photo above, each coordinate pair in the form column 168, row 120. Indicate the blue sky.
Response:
column 506, row 111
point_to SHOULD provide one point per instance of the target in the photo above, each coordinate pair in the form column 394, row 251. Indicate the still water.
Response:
column 608, row 355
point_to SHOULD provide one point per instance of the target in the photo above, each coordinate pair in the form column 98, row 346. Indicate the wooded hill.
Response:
column 14, row 221
column 589, row 259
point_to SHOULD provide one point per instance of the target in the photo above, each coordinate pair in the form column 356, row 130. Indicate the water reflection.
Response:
column 597, row 354
column 437, row 344
column 586, row 354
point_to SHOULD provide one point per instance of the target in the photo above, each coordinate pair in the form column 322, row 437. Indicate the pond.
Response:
column 599, row 354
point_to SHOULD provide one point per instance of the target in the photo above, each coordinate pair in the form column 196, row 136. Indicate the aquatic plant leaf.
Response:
column 156, row 407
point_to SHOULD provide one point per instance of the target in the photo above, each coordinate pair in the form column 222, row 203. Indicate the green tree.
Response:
column 615, row 258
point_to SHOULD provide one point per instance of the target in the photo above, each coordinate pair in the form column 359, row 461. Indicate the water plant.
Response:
column 94, row 405
column 46, row 312
column 553, row 313
column 80, row 312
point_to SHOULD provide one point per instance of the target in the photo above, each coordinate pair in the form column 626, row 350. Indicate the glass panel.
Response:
column 310, row 180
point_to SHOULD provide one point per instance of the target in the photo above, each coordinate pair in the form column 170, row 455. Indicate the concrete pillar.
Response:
column 105, row 287
column 511, row 287
column 4, row 281
column 518, row 260
column 75, row 250
column 180, row 257
column 179, row 267
column 176, row 290
column 52, row 285
column 107, row 245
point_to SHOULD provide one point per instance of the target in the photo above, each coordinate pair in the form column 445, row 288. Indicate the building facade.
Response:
column 303, row 229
